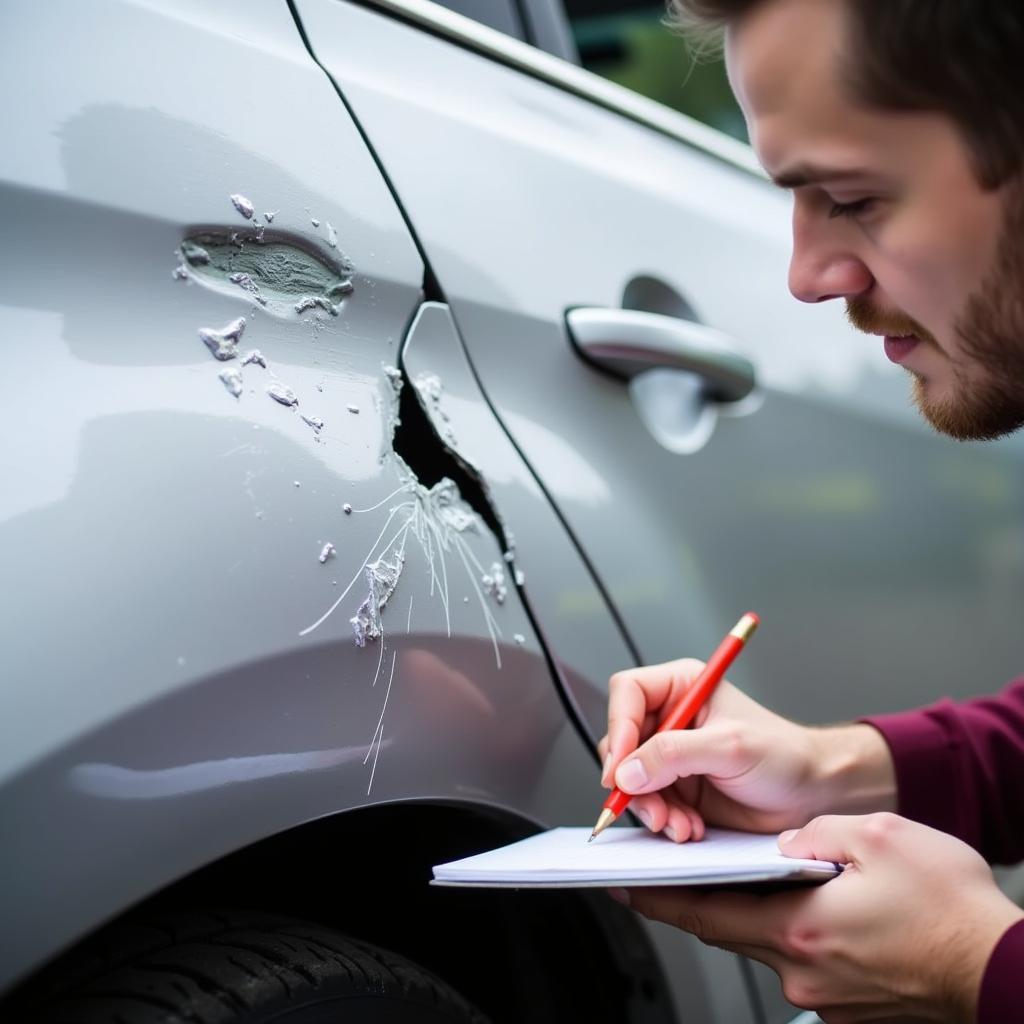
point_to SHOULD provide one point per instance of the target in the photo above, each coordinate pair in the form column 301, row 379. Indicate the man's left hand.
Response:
column 903, row 933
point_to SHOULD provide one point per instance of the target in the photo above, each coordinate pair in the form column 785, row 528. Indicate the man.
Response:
column 898, row 125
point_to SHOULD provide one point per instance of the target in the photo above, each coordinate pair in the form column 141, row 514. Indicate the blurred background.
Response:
column 628, row 42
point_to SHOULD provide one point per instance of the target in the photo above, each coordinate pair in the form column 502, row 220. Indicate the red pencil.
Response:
column 689, row 704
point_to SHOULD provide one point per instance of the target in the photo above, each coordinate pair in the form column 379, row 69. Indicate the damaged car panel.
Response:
column 256, row 603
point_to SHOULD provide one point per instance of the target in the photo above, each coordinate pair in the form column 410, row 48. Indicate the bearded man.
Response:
column 898, row 126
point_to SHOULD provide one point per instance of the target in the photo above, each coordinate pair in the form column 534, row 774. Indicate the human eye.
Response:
column 853, row 209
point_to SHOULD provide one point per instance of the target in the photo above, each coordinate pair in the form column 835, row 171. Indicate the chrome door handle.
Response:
column 627, row 342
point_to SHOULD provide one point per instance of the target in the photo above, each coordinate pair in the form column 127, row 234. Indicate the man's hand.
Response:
column 903, row 933
column 741, row 766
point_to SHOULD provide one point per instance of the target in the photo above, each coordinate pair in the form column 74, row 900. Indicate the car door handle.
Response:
column 628, row 342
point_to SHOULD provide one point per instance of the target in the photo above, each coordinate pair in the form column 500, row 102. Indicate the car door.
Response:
column 536, row 191
column 243, row 588
column 819, row 500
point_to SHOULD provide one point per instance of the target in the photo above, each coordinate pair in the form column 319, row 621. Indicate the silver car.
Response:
column 376, row 383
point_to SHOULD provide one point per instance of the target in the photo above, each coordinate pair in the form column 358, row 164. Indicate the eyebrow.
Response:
column 811, row 174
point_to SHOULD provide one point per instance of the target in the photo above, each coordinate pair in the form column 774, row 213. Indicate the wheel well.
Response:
column 537, row 955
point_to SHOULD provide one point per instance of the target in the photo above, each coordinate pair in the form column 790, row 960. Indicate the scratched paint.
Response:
column 436, row 519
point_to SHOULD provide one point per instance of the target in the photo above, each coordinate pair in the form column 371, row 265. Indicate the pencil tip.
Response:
column 591, row 839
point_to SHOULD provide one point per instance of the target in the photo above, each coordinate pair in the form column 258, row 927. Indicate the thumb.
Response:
column 679, row 753
column 840, row 838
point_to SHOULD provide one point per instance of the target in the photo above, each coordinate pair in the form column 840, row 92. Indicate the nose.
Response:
column 825, row 264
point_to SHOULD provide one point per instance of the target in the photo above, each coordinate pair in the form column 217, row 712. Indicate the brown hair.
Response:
column 962, row 58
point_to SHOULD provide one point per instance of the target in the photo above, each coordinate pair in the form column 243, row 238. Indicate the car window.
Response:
column 628, row 42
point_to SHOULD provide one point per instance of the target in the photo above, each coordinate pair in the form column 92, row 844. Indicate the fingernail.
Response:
column 631, row 775
column 670, row 832
column 604, row 769
column 645, row 817
column 620, row 896
column 787, row 836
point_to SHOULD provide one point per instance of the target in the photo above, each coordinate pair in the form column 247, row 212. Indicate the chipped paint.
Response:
column 494, row 582
column 231, row 378
column 223, row 343
column 282, row 393
column 394, row 376
column 255, row 357
column 381, row 577
column 308, row 302
column 347, row 509
column 247, row 284
column 314, row 421
column 194, row 254
column 430, row 389
column 242, row 205
column 326, row 551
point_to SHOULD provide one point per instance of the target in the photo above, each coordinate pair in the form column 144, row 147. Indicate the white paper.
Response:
column 631, row 855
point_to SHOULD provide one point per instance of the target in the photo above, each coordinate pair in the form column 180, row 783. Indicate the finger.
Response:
column 717, row 917
column 636, row 694
column 762, row 954
column 679, row 753
column 683, row 823
column 602, row 756
column 841, row 838
column 651, row 809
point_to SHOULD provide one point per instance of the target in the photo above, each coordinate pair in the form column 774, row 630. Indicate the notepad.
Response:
column 562, row 858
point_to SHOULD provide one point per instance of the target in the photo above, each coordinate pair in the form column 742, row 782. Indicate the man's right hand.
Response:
column 739, row 766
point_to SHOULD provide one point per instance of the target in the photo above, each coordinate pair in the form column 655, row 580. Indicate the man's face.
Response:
column 888, row 215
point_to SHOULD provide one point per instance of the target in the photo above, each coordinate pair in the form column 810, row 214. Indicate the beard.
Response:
column 986, row 398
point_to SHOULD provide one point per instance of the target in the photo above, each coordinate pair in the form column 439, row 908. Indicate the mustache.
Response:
column 867, row 317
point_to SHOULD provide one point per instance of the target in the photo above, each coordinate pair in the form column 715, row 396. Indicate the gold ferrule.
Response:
column 744, row 629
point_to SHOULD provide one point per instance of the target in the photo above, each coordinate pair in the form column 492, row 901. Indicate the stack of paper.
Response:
column 562, row 858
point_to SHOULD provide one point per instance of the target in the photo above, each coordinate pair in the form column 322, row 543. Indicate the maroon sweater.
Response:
column 960, row 768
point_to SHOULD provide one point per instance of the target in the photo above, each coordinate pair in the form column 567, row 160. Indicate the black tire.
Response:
column 241, row 968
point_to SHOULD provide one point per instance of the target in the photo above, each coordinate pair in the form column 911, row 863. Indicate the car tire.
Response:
column 242, row 968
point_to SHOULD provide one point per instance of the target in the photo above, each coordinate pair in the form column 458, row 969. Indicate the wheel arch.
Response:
column 544, row 956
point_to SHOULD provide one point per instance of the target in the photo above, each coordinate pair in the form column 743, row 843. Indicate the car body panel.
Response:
column 181, row 675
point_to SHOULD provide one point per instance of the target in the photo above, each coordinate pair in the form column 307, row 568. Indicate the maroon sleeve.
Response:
column 960, row 768
column 1002, row 985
